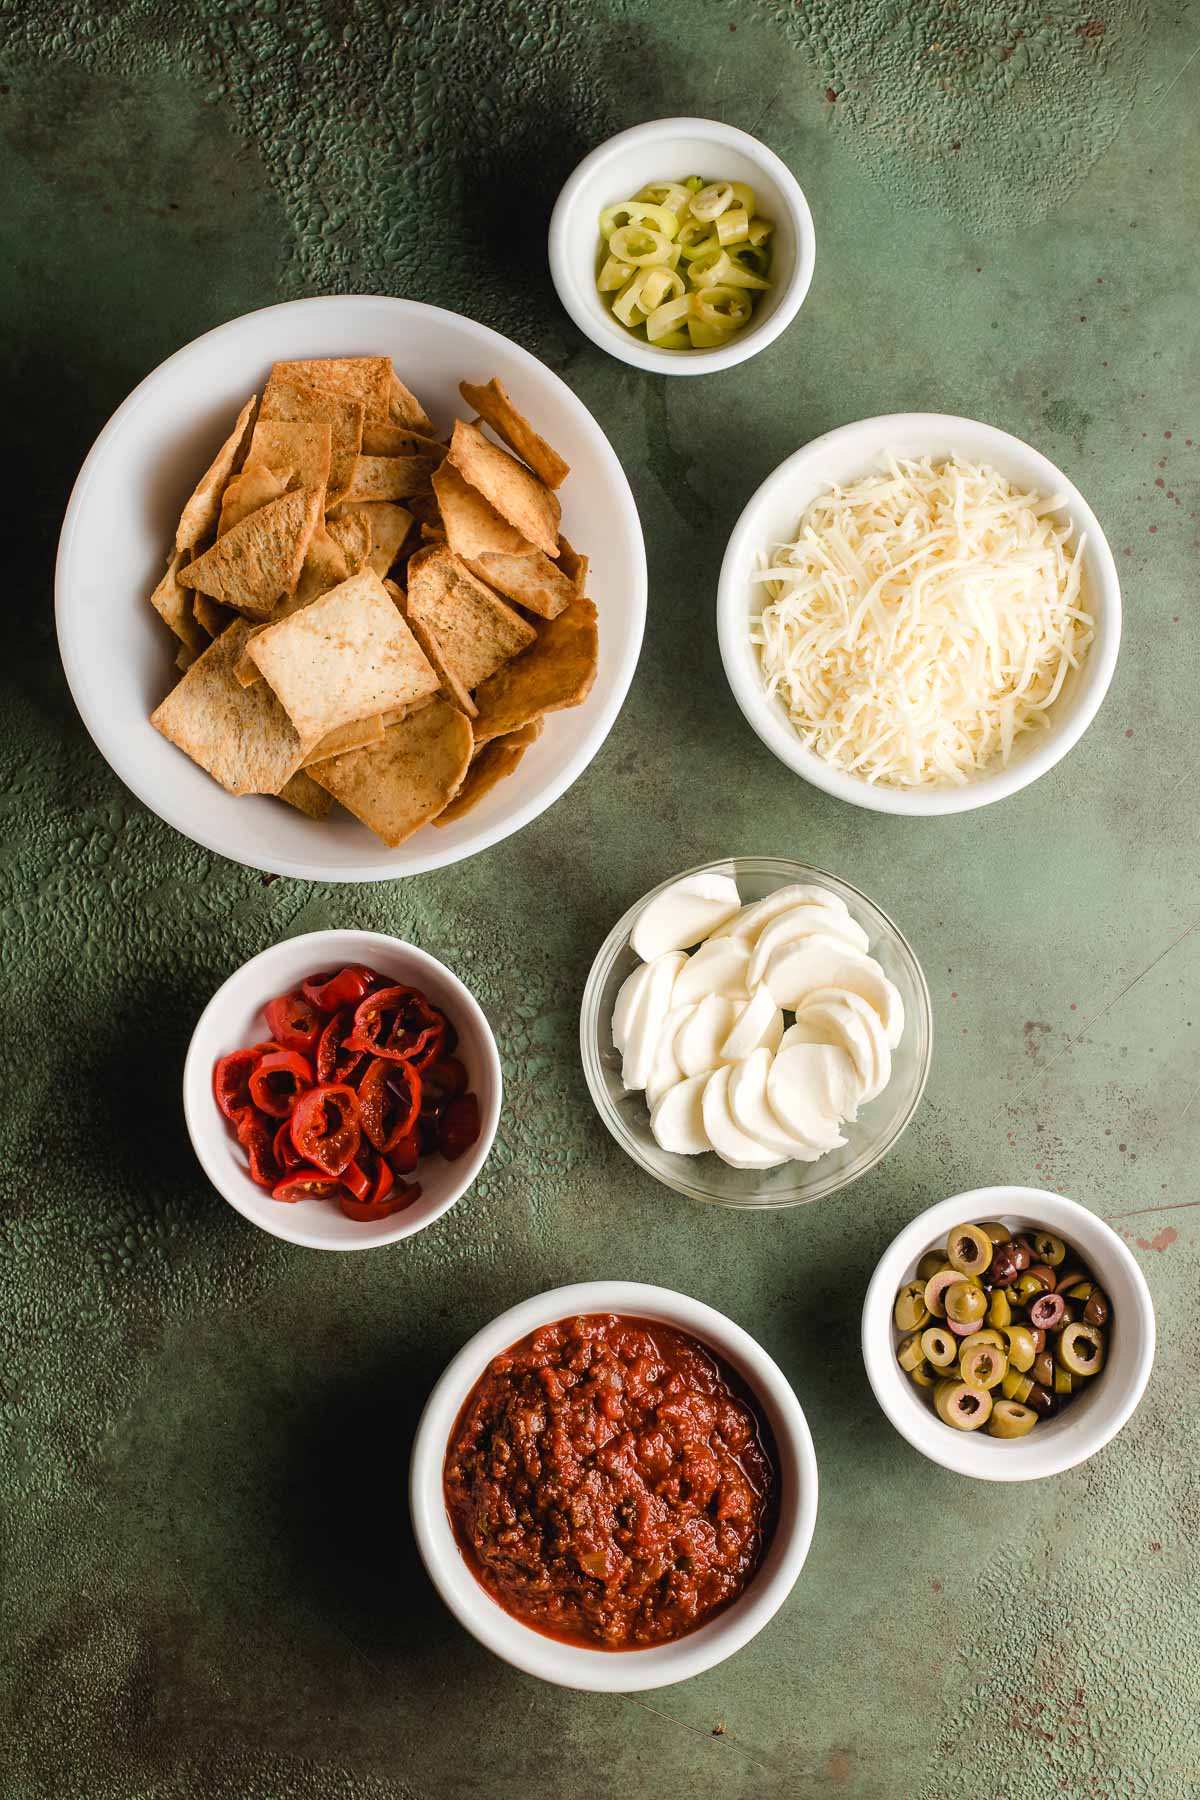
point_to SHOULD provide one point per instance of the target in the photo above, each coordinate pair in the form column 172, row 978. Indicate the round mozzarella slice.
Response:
column 804, row 922
column 836, row 1016
column 759, row 1024
column 751, row 1113
column 795, row 970
column 751, row 919
column 683, row 914
column 730, row 1143
column 699, row 1039
column 626, row 1001
column 678, row 1120
column 647, row 1017
column 804, row 1086
column 718, row 967
column 664, row 1070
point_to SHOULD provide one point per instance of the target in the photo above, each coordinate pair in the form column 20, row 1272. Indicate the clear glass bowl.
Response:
column 879, row 1124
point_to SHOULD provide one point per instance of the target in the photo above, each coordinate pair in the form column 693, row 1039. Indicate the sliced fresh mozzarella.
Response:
column 751, row 919
column 759, row 1024
column 804, row 1088
column 664, row 1070
column 647, row 1017
column 683, row 914
column 835, row 1015
column 794, row 970
column 732, row 1144
column 699, row 1040
column 717, row 967
column 626, row 1001
column 678, row 1120
column 803, row 922
column 752, row 1114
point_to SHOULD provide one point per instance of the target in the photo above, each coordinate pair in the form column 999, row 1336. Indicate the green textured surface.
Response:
column 209, row 1585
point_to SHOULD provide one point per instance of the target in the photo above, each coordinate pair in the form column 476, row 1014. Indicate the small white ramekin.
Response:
column 1085, row 1424
column 667, row 150
column 233, row 1018
column 571, row 1665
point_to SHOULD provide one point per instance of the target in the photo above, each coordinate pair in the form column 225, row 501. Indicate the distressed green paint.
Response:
column 211, row 1589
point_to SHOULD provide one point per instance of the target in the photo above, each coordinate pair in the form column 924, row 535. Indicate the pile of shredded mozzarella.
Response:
column 923, row 619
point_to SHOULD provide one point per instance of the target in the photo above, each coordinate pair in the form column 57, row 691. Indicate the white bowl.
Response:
column 1086, row 1423
column 233, row 1018
column 772, row 515
column 667, row 150
column 570, row 1665
column 118, row 654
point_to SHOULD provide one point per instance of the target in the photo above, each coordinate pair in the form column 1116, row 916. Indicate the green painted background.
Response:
column 210, row 1589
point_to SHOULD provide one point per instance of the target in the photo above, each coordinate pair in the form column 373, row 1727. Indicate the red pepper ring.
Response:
column 286, row 1153
column 231, row 1079
column 405, row 1153
column 294, row 1023
column 278, row 1080
column 389, row 1099
column 304, row 1183
column 255, row 1136
column 326, row 1128
column 335, row 1062
column 442, row 1079
column 398, row 1023
column 329, row 993
column 392, row 1202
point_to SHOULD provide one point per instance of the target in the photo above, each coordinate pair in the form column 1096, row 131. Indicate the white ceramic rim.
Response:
column 110, row 742
column 570, row 1665
column 623, row 345
column 346, row 946
column 769, row 721
column 972, row 1453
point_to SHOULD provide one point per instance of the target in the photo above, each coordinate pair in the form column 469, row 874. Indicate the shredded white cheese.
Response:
column 924, row 618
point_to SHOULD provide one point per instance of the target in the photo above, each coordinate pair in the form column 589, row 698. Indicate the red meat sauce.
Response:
column 611, row 1483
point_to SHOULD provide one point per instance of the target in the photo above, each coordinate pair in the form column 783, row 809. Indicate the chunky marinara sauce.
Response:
column 610, row 1482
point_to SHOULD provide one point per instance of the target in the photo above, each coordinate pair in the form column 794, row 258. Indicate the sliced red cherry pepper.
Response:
column 294, row 1023
column 328, row 993
column 326, row 1129
column 442, row 1080
column 458, row 1126
column 389, row 1099
column 231, row 1079
column 286, row 1153
column 278, row 1080
column 335, row 1062
column 398, row 1023
column 395, row 1201
column 307, row 1184
column 255, row 1136
column 405, row 1153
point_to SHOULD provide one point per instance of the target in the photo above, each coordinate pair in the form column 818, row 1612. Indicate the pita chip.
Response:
column 173, row 604
column 471, row 525
column 198, row 520
column 355, row 736
column 389, row 526
column 573, row 565
column 399, row 785
column 556, row 673
column 325, row 566
column 350, row 530
column 389, row 477
column 299, row 405
column 242, row 736
column 258, row 562
column 475, row 631
column 397, row 440
column 452, row 687
column 507, row 485
column 532, row 580
column 184, row 658
column 303, row 793
column 344, row 657
column 489, row 766
column 405, row 409
column 249, row 491
column 211, row 616
column 366, row 379
column 496, row 409
column 301, row 448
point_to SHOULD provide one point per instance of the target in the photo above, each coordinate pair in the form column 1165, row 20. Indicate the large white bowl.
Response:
column 570, row 1665
column 1086, row 1423
column 667, row 150
column 771, row 517
column 118, row 654
column 233, row 1018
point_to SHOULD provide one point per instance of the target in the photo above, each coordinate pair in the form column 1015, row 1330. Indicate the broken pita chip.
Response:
column 399, row 785
column 198, row 521
column 355, row 736
column 452, row 687
column 242, row 736
column 350, row 530
column 398, row 440
column 302, row 448
column 507, row 485
column 301, row 405
column 389, row 526
column 475, row 631
column 472, row 527
column 210, row 615
column 496, row 409
column 405, row 409
column 258, row 562
column 247, row 492
column 302, row 792
column 489, row 766
column 346, row 656
column 366, row 379
column 556, row 673
column 532, row 580
column 173, row 604
column 389, row 477
column 573, row 565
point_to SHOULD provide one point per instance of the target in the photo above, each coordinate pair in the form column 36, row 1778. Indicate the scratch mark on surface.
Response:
column 1170, row 88
column 726, row 1737
column 1141, row 1212
column 1117, row 998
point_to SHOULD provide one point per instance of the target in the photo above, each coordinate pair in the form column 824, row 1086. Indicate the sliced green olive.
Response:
column 965, row 1302
column 909, row 1352
column 932, row 1263
column 986, row 1336
column 968, row 1249
column 910, row 1311
column 923, row 1375
column 1081, row 1349
column 983, row 1366
column 939, row 1346
column 935, row 1290
column 1010, row 1419
column 1064, row 1381
column 1069, row 1278
column 1022, row 1347
column 962, row 1405
column 999, row 1308
column 1048, row 1248
column 1078, row 1290
column 1027, row 1287
column 999, row 1234
column 1016, row 1387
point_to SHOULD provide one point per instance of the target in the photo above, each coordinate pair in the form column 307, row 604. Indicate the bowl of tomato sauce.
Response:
column 613, row 1487
column 342, row 1089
